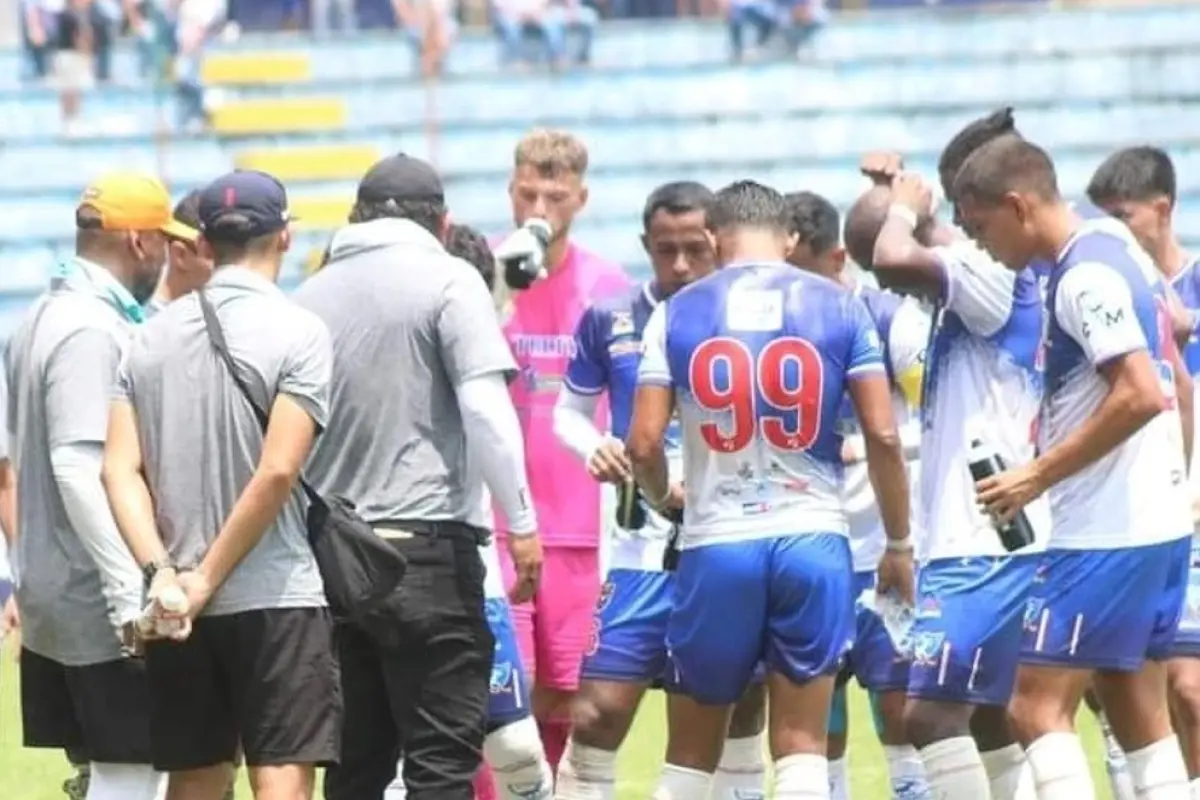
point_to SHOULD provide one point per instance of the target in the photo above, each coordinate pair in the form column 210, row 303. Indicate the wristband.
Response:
column 904, row 213
column 904, row 545
column 658, row 504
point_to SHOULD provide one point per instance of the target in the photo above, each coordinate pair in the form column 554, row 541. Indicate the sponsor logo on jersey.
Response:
column 927, row 648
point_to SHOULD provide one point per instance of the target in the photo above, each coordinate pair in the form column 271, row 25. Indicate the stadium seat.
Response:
column 279, row 115
column 268, row 66
column 311, row 163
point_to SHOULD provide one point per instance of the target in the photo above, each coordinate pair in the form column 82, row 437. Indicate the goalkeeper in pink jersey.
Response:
column 553, row 630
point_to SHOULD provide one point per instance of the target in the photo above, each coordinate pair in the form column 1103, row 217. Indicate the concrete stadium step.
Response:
column 240, row 68
column 279, row 115
column 317, row 162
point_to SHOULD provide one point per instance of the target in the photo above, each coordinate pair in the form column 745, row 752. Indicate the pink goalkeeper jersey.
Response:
column 540, row 326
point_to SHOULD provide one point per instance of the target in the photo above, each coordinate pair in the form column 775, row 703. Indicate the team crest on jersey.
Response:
column 622, row 323
column 929, row 608
column 502, row 681
column 606, row 595
column 927, row 648
column 1035, row 607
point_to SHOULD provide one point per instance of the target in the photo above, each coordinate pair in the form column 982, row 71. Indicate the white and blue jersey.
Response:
column 1186, row 284
column 1110, row 590
column 759, row 357
column 629, row 641
column 983, row 377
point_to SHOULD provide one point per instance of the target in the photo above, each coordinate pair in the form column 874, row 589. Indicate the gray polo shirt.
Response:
column 61, row 363
column 409, row 324
column 201, row 441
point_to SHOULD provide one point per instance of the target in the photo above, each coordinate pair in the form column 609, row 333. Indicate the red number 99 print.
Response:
column 757, row 393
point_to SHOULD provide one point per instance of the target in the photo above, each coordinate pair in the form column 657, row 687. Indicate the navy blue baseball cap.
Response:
column 243, row 205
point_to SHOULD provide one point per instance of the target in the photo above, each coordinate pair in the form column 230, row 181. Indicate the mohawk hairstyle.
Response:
column 975, row 135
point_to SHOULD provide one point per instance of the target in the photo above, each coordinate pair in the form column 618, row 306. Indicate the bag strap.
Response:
column 216, row 337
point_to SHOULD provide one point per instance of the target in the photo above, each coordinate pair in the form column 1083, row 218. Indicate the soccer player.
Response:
column 1137, row 186
column 903, row 329
column 981, row 372
column 549, row 168
column 628, row 652
column 759, row 357
column 1108, row 592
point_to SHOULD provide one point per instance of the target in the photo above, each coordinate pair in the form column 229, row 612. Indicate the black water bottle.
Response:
column 631, row 507
column 985, row 462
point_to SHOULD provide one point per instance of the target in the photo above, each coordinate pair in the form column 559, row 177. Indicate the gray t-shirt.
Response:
column 409, row 324
column 61, row 363
column 201, row 441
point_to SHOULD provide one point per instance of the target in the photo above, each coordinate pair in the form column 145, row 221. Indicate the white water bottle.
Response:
column 173, row 600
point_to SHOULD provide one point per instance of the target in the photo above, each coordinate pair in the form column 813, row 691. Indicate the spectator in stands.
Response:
column 795, row 20
column 547, row 23
column 195, row 23
column 52, row 26
column 432, row 25
column 323, row 12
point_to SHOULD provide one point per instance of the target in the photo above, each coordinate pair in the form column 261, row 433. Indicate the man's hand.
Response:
column 610, row 463
column 911, row 191
column 1003, row 496
column 10, row 620
column 526, row 553
column 896, row 574
column 881, row 166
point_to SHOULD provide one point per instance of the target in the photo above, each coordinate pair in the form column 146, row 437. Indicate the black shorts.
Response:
column 100, row 712
column 266, row 678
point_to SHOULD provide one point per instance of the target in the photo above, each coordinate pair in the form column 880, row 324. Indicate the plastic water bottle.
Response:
column 173, row 600
column 985, row 462
column 897, row 616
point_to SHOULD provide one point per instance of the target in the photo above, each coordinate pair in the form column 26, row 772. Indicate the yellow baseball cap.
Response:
column 128, row 201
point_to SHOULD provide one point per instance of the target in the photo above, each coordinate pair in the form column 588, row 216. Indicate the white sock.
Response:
column 740, row 774
column 906, row 771
column 953, row 769
column 1116, row 765
column 802, row 776
column 1195, row 790
column 1060, row 768
column 1158, row 771
column 396, row 789
column 839, row 779
column 126, row 782
column 586, row 773
column 681, row 783
column 518, row 762
column 1009, row 773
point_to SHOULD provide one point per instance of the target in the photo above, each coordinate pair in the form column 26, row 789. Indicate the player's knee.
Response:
column 514, row 752
column 599, row 719
column 926, row 721
column 749, row 715
column 1185, row 691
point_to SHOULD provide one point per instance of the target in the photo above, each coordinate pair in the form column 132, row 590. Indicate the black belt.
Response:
column 442, row 529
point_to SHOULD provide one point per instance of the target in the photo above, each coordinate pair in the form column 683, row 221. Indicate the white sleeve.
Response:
column 654, row 368
column 76, row 468
column 1094, row 306
column 494, row 442
column 908, row 338
column 978, row 288
column 573, row 422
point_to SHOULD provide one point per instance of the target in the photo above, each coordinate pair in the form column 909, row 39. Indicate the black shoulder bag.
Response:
column 360, row 570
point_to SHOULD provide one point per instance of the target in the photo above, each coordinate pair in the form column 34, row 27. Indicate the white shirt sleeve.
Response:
column 1094, row 306
column 494, row 442
column 76, row 468
column 573, row 422
column 907, row 340
column 654, row 368
column 978, row 288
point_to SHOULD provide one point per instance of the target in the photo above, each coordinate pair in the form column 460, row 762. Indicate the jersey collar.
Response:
column 79, row 273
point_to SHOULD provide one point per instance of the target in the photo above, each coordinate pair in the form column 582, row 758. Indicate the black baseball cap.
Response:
column 398, row 178
column 243, row 205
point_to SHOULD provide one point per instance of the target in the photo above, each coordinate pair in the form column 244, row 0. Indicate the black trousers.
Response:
column 415, row 679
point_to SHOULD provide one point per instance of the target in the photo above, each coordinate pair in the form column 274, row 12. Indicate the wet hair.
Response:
column 424, row 212
column 466, row 243
column 971, row 138
column 1135, row 174
column 814, row 219
column 1007, row 164
column 677, row 197
column 864, row 221
column 749, row 204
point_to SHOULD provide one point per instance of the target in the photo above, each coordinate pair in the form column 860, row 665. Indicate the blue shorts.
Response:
column 1187, row 638
column 967, row 633
column 509, row 699
column 786, row 600
column 629, row 634
column 873, row 660
column 1106, row 609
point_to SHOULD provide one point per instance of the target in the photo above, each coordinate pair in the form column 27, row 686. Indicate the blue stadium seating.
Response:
column 663, row 103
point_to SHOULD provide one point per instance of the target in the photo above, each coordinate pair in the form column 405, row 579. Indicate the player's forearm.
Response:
column 889, row 479
column 1124, row 411
column 900, row 261
column 652, row 473
column 133, row 511
column 76, row 470
column 256, row 509
column 494, row 441
column 574, row 425
column 8, row 503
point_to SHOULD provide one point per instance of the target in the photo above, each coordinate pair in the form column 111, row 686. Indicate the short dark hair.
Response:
column 426, row 212
column 234, row 251
column 814, row 219
column 975, row 135
column 1003, row 165
column 187, row 210
column 749, row 204
column 677, row 197
column 466, row 243
column 1133, row 174
column 864, row 221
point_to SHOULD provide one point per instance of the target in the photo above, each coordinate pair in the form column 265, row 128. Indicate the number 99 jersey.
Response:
column 759, row 356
